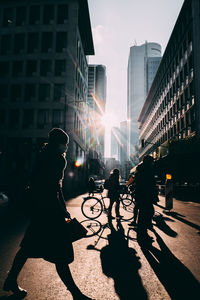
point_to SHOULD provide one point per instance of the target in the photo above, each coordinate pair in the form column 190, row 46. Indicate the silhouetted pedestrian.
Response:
column 146, row 195
column 114, row 192
column 131, row 186
column 46, row 235
column 91, row 186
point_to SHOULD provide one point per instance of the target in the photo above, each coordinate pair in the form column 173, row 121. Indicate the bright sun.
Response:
column 109, row 120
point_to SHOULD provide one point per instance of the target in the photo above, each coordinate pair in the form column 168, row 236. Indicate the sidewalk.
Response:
column 110, row 271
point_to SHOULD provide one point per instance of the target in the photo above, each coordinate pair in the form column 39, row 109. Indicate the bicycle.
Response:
column 96, row 228
column 92, row 207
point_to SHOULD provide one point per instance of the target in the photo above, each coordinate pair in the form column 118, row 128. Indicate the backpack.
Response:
column 107, row 184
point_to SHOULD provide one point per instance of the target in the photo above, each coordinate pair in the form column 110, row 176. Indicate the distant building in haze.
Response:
column 96, row 102
column 115, row 143
column 142, row 66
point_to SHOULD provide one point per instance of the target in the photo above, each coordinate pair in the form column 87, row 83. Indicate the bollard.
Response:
column 168, row 192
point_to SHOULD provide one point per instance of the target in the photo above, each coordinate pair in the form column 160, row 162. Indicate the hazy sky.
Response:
column 117, row 25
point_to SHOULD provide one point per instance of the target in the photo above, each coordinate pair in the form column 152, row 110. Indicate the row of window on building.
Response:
column 34, row 15
column 181, row 126
column 173, row 92
column 34, row 42
column 30, row 68
column 31, row 118
column 170, row 108
column 31, row 92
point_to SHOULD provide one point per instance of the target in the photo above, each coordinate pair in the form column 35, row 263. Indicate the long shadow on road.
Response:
column 11, row 297
column 162, row 225
column 179, row 217
column 122, row 264
column 177, row 279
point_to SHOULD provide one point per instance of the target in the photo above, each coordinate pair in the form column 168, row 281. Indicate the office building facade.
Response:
column 142, row 66
column 43, row 77
column 170, row 116
column 115, row 143
column 96, row 103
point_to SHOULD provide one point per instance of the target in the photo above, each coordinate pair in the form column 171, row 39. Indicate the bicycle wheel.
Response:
column 126, row 211
column 91, row 207
column 93, row 227
column 127, row 200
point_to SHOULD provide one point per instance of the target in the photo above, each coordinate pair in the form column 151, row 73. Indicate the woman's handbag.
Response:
column 75, row 229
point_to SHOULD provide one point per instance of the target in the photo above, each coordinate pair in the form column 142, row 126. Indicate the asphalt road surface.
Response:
column 108, row 267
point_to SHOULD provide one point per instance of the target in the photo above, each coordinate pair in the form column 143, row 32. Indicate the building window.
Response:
column 28, row 118
column 44, row 92
column 34, row 14
column 62, row 13
column 61, row 41
column 47, row 42
column 20, row 16
column 17, row 68
column 191, row 89
column 7, row 16
column 43, row 118
column 31, row 67
column 33, row 42
column 4, row 69
column 14, row 118
column 60, row 67
column 3, row 92
column 5, row 44
column 30, row 92
column 19, row 43
column 2, row 117
column 45, row 67
column 59, row 91
column 48, row 14
column 182, row 123
column 16, row 92
column 57, row 118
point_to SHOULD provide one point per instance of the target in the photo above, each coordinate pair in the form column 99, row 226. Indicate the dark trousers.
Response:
column 112, row 201
column 144, row 219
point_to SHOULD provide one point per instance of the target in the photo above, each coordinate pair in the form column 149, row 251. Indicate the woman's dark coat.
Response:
column 47, row 236
column 113, row 192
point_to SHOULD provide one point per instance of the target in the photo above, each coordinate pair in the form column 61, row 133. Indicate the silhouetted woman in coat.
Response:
column 114, row 193
column 46, row 235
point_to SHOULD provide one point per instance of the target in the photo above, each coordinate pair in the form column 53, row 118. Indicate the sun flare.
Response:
column 108, row 120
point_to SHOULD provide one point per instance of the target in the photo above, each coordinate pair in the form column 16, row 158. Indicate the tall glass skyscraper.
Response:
column 143, row 63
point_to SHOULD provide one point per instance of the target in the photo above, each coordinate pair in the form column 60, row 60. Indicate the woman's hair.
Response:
column 115, row 171
column 58, row 136
column 148, row 159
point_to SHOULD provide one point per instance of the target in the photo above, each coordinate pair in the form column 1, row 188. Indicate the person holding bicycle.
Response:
column 131, row 187
column 114, row 193
column 91, row 186
column 146, row 195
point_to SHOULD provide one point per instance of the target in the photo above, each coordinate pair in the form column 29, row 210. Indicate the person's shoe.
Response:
column 11, row 285
column 133, row 223
column 150, row 227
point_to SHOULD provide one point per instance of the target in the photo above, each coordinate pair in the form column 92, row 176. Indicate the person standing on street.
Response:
column 91, row 186
column 146, row 195
column 114, row 193
column 46, row 235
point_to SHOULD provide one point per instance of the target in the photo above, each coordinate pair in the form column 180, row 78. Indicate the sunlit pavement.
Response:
column 107, row 272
